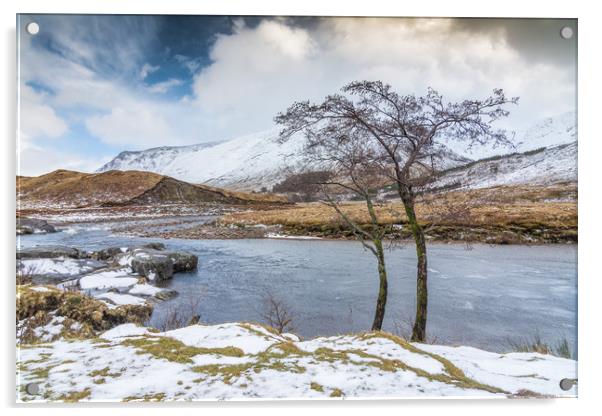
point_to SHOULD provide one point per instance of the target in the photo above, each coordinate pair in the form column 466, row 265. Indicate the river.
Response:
column 483, row 296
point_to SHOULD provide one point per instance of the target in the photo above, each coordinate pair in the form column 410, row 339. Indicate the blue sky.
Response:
column 92, row 86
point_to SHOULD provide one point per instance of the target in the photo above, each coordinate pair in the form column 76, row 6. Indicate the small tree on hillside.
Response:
column 408, row 133
column 304, row 184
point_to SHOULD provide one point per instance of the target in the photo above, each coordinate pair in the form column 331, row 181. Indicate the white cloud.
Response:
column 148, row 69
column 139, row 126
column 191, row 64
column 164, row 86
column 34, row 161
column 38, row 120
column 259, row 71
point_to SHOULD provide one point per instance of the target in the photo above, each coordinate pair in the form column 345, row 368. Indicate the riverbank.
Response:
column 497, row 215
column 235, row 361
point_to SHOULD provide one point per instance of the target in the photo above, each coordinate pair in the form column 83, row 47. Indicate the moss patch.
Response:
column 75, row 396
column 176, row 351
column 316, row 386
column 84, row 316
column 336, row 393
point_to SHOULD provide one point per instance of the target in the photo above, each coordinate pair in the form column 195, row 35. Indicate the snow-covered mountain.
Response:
column 548, row 132
column 542, row 166
column 545, row 153
column 258, row 160
column 245, row 163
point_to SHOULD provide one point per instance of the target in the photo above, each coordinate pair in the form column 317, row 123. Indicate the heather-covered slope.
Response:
column 69, row 189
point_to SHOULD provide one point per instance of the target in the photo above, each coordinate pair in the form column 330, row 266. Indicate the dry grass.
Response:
column 81, row 189
column 527, row 206
column 64, row 188
column 247, row 196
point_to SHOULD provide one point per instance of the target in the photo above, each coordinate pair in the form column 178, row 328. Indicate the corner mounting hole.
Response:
column 566, row 32
column 32, row 28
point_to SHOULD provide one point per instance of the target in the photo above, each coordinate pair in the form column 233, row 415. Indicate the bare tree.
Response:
column 276, row 312
column 179, row 317
column 352, row 170
column 409, row 133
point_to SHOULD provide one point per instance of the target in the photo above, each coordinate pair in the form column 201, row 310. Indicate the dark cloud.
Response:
column 537, row 40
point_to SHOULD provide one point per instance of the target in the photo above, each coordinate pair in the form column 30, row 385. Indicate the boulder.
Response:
column 32, row 225
column 49, row 252
column 108, row 253
column 155, row 265
column 114, row 253
column 165, row 294
column 183, row 261
column 154, row 246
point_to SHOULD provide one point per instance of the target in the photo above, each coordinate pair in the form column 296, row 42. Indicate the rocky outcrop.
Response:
column 155, row 265
column 33, row 226
column 37, row 307
column 150, row 260
column 183, row 261
column 50, row 252
column 106, row 254
column 158, row 264
column 107, row 274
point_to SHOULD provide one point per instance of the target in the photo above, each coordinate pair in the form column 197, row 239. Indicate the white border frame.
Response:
column 589, row 198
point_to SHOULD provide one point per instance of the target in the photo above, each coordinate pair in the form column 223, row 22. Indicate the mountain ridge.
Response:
column 260, row 161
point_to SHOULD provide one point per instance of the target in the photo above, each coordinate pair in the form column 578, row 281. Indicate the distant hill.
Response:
column 69, row 189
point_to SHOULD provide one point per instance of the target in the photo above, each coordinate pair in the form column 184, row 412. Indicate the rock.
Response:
column 49, row 252
column 31, row 226
column 114, row 253
column 152, row 264
column 55, row 270
column 157, row 264
column 108, row 253
column 154, row 246
column 183, row 261
column 166, row 294
column 89, row 312
column 24, row 230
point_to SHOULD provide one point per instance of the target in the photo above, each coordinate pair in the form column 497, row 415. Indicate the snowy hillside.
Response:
column 247, row 162
column 152, row 159
column 536, row 167
column 244, row 163
column 258, row 160
column 548, row 132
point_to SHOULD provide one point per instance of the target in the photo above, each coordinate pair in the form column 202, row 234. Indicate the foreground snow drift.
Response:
column 239, row 361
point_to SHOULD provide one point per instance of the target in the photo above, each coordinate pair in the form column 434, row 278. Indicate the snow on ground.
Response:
column 56, row 266
column 537, row 372
column 225, row 335
column 293, row 237
column 243, row 361
column 125, row 330
column 121, row 299
column 120, row 278
column 40, row 289
column 144, row 290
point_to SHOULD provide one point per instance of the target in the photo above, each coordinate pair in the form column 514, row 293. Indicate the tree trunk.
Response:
column 379, row 314
column 419, row 329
